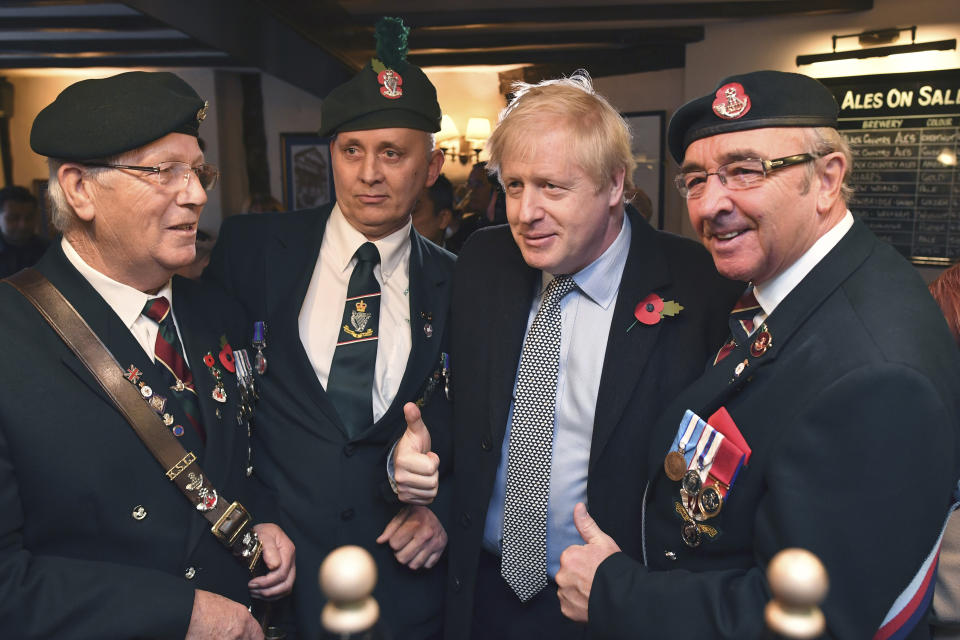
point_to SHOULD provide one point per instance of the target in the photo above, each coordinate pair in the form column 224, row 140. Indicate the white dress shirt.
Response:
column 772, row 292
column 322, row 310
column 126, row 301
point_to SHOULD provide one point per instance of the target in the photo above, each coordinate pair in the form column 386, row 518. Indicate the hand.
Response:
column 578, row 565
column 278, row 555
column 217, row 618
column 416, row 537
column 415, row 467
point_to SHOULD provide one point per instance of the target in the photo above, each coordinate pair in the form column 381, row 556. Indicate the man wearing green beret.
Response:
column 96, row 541
column 355, row 302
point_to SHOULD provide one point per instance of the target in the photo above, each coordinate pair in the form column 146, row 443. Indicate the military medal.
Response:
column 675, row 463
column 710, row 502
column 690, row 533
column 259, row 343
column 445, row 372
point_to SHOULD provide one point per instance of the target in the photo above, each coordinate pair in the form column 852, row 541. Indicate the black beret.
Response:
column 381, row 98
column 98, row 118
column 752, row 101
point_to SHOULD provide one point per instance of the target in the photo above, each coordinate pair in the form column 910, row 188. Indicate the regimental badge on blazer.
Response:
column 705, row 459
column 440, row 376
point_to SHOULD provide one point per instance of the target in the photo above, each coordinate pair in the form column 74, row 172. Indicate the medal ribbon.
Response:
column 726, row 465
column 690, row 429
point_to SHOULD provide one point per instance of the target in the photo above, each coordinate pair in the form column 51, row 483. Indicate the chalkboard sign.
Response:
column 903, row 131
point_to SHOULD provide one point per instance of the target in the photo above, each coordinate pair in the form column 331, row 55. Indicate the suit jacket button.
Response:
column 485, row 443
column 189, row 573
column 346, row 514
column 139, row 513
column 457, row 585
column 465, row 519
column 348, row 450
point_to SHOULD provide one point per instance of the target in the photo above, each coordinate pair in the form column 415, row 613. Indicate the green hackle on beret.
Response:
column 363, row 103
column 391, row 35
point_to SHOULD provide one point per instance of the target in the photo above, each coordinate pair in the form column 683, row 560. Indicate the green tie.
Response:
column 350, row 386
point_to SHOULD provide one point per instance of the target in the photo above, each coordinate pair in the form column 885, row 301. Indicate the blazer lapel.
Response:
column 508, row 322
column 429, row 292
column 721, row 381
column 289, row 265
column 629, row 348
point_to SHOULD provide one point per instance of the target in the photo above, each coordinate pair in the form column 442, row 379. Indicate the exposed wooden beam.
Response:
column 658, row 11
column 79, row 23
column 34, row 62
column 598, row 62
column 104, row 46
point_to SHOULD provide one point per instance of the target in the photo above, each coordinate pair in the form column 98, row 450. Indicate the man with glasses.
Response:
column 96, row 541
column 829, row 419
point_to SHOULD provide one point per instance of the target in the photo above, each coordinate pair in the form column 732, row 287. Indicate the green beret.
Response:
column 752, row 101
column 388, row 92
column 94, row 119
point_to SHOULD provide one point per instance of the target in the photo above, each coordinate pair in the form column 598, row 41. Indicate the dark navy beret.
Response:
column 381, row 98
column 98, row 118
column 752, row 101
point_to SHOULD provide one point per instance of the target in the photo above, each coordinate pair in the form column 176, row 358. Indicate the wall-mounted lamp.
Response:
column 478, row 132
column 448, row 138
column 877, row 37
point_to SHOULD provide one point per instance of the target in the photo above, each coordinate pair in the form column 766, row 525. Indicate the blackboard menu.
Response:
column 903, row 131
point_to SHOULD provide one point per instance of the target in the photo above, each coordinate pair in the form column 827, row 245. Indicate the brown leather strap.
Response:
column 231, row 522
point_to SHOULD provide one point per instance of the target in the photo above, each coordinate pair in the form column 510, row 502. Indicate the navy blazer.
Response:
column 74, row 562
column 644, row 366
column 852, row 416
column 332, row 490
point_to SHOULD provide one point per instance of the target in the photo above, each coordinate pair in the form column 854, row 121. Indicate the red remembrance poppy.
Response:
column 226, row 358
column 648, row 310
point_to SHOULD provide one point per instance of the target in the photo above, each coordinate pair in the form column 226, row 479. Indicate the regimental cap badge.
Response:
column 361, row 306
column 732, row 101
column 202, row 112
column 391, row 35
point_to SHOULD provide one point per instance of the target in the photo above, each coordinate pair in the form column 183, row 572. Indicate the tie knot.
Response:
column 747, row 305
column 156, row 308
column 368, row 253
column 557, row 289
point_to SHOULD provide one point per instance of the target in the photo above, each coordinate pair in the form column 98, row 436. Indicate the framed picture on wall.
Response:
column 648, row 132
column 307, row 174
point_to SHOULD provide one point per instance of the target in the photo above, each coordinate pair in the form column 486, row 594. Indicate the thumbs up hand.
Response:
column 578, row 565
column 415, row 466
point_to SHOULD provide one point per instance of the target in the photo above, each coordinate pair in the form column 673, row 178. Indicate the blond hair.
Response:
column 600, row 138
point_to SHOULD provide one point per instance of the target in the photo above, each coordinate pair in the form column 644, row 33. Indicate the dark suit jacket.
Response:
column 852, row 416
column 332, row 490
column 642, row 369
column 74, row 562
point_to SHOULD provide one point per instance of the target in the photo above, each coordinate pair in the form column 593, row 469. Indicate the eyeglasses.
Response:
column 172, row 174
column 740, row 174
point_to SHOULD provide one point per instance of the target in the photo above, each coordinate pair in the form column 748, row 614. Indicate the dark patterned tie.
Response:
column 741, row 323
column 350, row 385
column 524, row 562
column 169, row 355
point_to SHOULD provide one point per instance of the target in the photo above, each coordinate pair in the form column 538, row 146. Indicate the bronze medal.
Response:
column 691, row 482
column 710, row 502
column 674, row 465
column 690, row 533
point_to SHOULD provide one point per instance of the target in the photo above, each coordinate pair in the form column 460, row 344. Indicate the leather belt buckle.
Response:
column 229, row 526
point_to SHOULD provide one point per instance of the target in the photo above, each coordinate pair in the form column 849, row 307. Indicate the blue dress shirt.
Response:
column 585, row 317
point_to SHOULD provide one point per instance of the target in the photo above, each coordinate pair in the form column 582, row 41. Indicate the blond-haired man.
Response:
column 571, row 326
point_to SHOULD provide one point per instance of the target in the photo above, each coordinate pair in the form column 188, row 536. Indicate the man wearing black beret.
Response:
column 827, row 422
column 355, row 302
column 96, row 540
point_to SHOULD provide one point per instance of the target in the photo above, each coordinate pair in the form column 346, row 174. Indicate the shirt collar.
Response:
column 345, row 240
column 771, row 293
column 125, row 301
column 600, row 280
